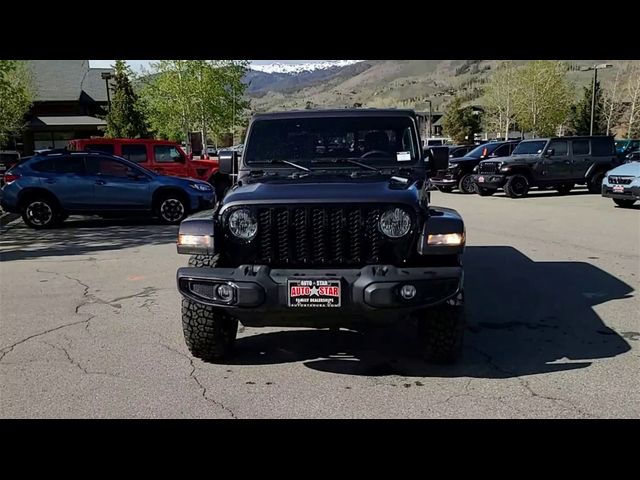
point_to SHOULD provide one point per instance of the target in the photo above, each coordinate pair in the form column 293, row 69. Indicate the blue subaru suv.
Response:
column 48, row 187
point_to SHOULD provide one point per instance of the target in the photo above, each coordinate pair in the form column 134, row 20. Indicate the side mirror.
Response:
column 437, row 158
column 179, row 159
column 548, row 152
column 227, row 161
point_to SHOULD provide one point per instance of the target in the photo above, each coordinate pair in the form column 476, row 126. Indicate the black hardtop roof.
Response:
column 336, row 112
column 568, row 137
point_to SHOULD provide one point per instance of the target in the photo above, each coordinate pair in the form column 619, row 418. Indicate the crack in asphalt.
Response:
column 525, row 384
column 87, row 299
column 203, row 389
column 471, row 395
column 5, row 350
column 77, row 364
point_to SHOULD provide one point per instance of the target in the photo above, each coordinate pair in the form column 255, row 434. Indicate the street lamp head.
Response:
column 604, row 65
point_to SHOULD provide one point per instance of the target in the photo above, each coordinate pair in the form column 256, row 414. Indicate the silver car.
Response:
column 622, row 184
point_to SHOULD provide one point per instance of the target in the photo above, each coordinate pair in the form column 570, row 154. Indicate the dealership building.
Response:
column 70, row 101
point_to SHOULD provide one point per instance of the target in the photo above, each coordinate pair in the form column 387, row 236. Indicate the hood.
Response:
column 465, row 160
column 180, row 180
column 627, row 169
column 325, row 190
column 516, row 158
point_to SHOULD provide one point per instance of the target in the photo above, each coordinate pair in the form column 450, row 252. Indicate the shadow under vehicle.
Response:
column 530, row 318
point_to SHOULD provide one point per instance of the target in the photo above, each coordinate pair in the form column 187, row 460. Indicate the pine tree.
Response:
column 580, row 116
column 460, row 123
column 126, row 118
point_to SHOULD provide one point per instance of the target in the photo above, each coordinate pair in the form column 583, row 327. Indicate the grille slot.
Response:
column 488, row 167
column 620, row 180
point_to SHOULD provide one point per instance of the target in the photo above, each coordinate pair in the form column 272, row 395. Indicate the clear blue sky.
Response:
column 138, row 64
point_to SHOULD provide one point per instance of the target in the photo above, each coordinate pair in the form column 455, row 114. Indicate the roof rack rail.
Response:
column 54, row 151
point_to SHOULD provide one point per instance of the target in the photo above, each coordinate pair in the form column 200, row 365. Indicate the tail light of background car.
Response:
column 10, row 177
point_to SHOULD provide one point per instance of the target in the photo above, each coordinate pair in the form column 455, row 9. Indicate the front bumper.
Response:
column 490, row 180
column 368, row 295
column 629, row 193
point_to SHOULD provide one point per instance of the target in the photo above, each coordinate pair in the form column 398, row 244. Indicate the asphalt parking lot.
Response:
column 90, row 328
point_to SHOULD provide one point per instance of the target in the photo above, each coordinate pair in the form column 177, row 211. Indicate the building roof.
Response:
column 65, row 80
column 94, row 85
column 70, row 120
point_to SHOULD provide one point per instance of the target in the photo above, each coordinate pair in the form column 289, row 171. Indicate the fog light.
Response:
column 408, row 292
column 224, row 292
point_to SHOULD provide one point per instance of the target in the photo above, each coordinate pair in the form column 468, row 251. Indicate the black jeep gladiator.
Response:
column 328, row 226
column 559, row 163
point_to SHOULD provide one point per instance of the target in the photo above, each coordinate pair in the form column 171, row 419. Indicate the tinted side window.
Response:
column 101, row 147
column 135, row 153
column 501, row 151
column 601, row 147
column 581, row 147
column 108, row 167
column 43, row 166
column 69, row 165
column 559, row 147
column 166, row 153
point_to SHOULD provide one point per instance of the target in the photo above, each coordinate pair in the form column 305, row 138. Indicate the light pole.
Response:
column 430, row 117
column 106, row 76
column 595, row 69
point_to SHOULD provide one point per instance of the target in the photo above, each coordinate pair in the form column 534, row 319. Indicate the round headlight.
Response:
column 395, row 223
column 242, row 224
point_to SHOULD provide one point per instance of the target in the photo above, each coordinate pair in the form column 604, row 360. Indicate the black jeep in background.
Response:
column 329, row 225
column 560, row 163
column 459, row 173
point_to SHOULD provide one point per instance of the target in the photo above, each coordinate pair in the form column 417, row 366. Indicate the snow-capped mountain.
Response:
column 302, row 67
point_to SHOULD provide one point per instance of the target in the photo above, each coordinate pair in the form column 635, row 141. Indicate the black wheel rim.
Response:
column 172, row 210
column 518, row 185
column 39, row 213
column 467, row 184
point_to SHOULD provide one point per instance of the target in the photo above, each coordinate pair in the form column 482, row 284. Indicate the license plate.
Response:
column 314, row 293
column 481, row 179
column 618, row 188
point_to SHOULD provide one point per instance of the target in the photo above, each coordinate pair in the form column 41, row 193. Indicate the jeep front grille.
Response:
column 488, row 167
column 319, row 236
column 620, row 180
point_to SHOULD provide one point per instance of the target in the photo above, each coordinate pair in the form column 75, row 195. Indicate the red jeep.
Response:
column 164, row 157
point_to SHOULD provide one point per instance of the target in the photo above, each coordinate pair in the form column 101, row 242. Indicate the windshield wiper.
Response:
column 287, row 162
column 347, row 160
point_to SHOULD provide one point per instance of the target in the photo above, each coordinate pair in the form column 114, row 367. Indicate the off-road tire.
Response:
column 624, row 203
column 485, row 192
column 209, row 332
column 441, row 332
column 565, row 188
column 445, row 189
column 466, row 184
column 517, row 186
column 203, row 261
column 594, row 185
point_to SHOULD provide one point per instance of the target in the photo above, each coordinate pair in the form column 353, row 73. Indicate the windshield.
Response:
column 621, row 145
column 377, row 140
column 483, row 151
column 529, row 148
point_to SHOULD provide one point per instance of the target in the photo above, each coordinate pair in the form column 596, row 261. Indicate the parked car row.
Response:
column 558, row 163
